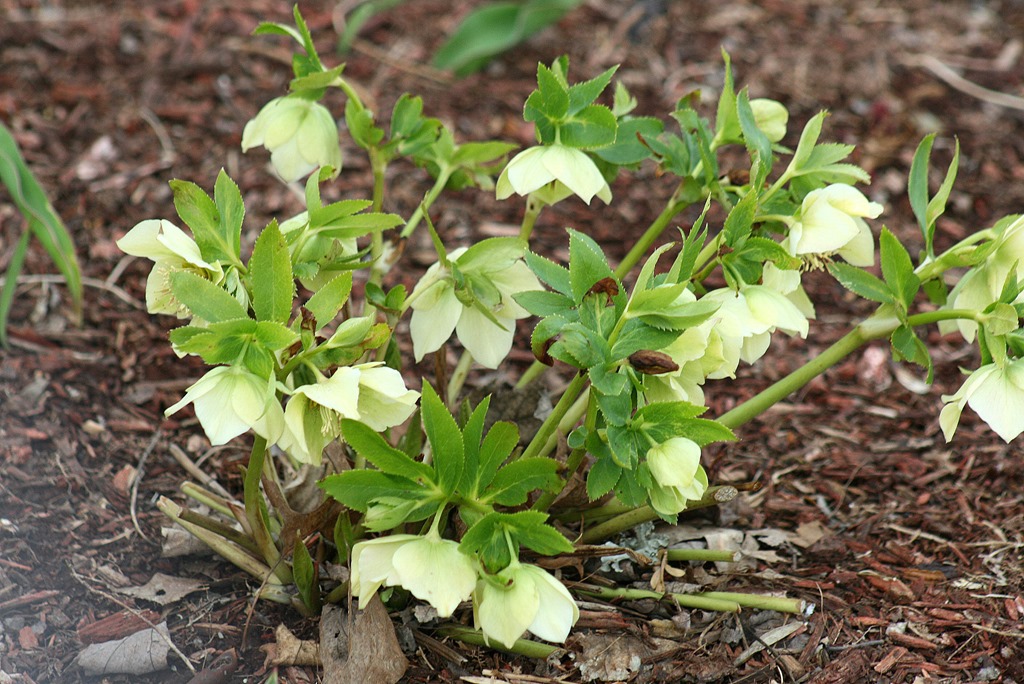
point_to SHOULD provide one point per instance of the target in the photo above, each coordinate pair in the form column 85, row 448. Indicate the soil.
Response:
column 916, row 574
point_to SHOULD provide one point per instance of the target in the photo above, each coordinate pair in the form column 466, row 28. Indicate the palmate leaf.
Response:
column 375, row 449
column 358, row 488
column 513, row 483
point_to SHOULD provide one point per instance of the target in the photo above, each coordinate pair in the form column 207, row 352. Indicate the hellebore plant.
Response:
column 421, row 498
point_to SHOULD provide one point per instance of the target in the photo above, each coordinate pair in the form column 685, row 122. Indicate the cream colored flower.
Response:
column 299, row 133
column 431, row 568
column 170, row 250
column 520, row 598
column 678, row 476
column 230, row 400
column 982, row 285
column 831, row 221
column 996, row 393
column 569, row 170
column 438, row 309
column 370, row 393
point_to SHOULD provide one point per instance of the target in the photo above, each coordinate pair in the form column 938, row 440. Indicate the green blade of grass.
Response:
column 43, row 222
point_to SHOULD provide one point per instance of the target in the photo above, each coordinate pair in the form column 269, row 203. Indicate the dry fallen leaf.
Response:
column 363, row 650
column 164, row 589
column 141, row 653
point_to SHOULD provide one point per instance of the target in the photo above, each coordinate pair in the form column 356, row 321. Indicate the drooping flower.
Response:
column 171, row 250
column 771, row 117
column 439, row 308
column 229, row 400
column 520, row 598
column 996, row 393
column 369, row 392
column 568, row 169
column 983, row 284
column 831, row 220
column 678, row 476
column 299, row 133
column 431, row 568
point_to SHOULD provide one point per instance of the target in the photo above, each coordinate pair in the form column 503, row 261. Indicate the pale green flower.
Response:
column 570, row 171
column 438, row 309
column 996, row 393
column 521, row 598
column 370, row 393
column 830, row 221
column 230, row 400
column 678, row 476
column 982, row 285
column 299, row 133
column 431, row 568
column 745, row 321
column 170, row 250
column 771, row 117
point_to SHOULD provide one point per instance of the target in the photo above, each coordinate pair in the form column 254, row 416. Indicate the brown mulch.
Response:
column 916, row 571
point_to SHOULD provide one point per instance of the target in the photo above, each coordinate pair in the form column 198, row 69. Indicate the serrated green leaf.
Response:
column 582, row 95
column 897, row 269
column 317, row 80
column 274, row 336
column 513, row 483
column 861, row 282
column 917, row 183
column 726, row 125
column 445, row 440
column 587, row 265
column 200, row 214
column 616, row 408
column 594, row 126
column 357, row 488
column 486, row 539
column 361, row 126
column 602, row 478
column 550, row 100
column 907, row 346
column 533, row 533
column 330, row 298
column 375, row 449
column 740, row 220
column 270, row 274
column 543, row 303
column 551, row 274
column 631, row 146
column 622, row 443
column 637, row 335
column 585, row 347
column 204, row 299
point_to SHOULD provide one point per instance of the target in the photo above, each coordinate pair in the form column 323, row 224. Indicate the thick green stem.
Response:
column 699, row 601
column 550, row 424
column 713, row 496
column 701, row 555
column 533, row 209
column 458, row 378
column 577, row 455
column 254, row 504
column 777, row 603
column 523, row 647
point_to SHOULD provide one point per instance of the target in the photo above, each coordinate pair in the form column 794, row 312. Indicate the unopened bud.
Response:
column 652, row 362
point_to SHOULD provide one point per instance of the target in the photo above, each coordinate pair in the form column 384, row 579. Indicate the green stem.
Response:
column 378, row 164
column 699, row 601
column 533, row 209
column 777, row 603
column 701, row 555
column 253, row 500
column 713, row 496
column 576, row 456
column 458, row 378
column 444, row 174
column 523, row 647
column 550, row 424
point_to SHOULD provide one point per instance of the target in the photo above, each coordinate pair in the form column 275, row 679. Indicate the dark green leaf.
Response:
column 513, row 483
column 357, row 488
column 330, row 298
column 861, row 282
column 200, row 213
column 270, row 272
column 204, row 299
column 594, row 126
column 602, row 477
column 551, row 274
column 630, row 146
column 897, row 269
column 445, row 440
column 369, row 444
column 497, row 446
